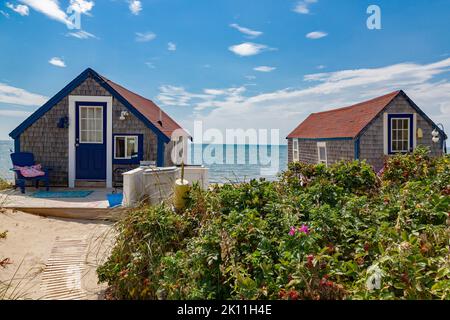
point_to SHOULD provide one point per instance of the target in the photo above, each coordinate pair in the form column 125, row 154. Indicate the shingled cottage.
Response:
column 370, row 130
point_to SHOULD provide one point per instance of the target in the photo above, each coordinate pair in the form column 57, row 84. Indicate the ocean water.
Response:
column 5, row 160
column 239, row 163
column 226, row 163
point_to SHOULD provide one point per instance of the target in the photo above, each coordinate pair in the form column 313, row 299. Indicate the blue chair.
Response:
column 26, row 159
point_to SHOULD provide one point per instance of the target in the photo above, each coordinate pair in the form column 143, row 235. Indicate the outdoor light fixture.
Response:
column 419, row 133
column 435, row 135
column 123, row 115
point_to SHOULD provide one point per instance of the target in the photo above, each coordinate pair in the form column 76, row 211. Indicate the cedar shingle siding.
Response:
column 49, row 144
column 336, row 150
column 371, row 140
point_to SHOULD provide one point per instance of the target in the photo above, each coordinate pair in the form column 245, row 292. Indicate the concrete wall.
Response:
column 156, row 184
column 49, row 144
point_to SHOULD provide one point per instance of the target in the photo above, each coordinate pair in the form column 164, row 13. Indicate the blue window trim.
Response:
column 357, row 148
column 135, row 160
column 17, row 144
column 411, row 127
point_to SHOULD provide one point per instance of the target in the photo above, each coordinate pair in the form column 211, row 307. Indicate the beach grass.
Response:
column 4, row 184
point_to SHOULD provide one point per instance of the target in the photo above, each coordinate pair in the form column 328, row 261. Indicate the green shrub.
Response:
column 317, row 233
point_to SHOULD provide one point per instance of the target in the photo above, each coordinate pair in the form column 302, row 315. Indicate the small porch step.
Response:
column 90, row 183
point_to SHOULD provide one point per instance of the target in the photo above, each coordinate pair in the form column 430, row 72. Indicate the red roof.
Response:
column 343, row 122
column 147, row 108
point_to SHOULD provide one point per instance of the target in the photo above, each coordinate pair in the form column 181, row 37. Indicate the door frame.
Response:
column 73, row 100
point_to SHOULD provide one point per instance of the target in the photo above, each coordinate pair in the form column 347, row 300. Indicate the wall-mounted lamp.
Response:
column 435, row 135
column 419, row 133
column 123, row 115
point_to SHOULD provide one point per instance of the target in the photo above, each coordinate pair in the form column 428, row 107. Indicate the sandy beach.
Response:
column 30, row 242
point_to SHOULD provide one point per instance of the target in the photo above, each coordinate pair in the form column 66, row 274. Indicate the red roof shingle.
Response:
column 147, row 108
column 344, row 122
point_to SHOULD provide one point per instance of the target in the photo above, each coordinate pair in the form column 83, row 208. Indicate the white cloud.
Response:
column 264, row 69
column 249, row 32
column 14, row 95
column 321, row 91
column 302, row 7
column 177, row 96
column 50, row 8
column 135, row 7
column 249, row 49
column 320, row 67
column 57, row 62
column 145, row 36
column 81, row 6
column 81, row 34
column 21, row 9
column 171, row 46
column 150, row 65
column 316, row 35
column 180, row 97
column 214, row 92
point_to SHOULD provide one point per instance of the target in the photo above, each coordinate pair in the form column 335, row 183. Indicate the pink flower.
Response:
column 304, row 229
column 292, row 231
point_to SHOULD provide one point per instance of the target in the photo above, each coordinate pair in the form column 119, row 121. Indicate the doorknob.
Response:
column 77, row 144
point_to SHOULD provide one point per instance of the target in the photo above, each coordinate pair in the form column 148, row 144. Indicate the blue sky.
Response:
column 231, row 64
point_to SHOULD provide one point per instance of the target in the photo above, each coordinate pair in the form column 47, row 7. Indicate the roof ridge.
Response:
column 394, row 93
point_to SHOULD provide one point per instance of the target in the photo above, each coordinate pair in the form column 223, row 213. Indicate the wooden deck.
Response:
column 94, row 206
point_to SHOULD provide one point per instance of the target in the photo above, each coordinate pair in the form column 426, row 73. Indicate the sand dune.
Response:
column 30, row 242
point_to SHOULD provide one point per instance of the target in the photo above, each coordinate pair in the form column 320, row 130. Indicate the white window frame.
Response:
column 126, row 146
column 402, row 140
column 295, row 149
column 95, row 130
column 322, row 145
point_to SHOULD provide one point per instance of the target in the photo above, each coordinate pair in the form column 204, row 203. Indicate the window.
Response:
column 295, row 155
column 126, row 147
column 400, row 134
column 322, row 152
column 91, row 124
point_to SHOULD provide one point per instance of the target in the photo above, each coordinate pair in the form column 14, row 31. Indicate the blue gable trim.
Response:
column 160, row 156
column 49, row 104
column 414, row 106
column 17, row 144
column 132, row 109
column 357, row 146
column 69, row 88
